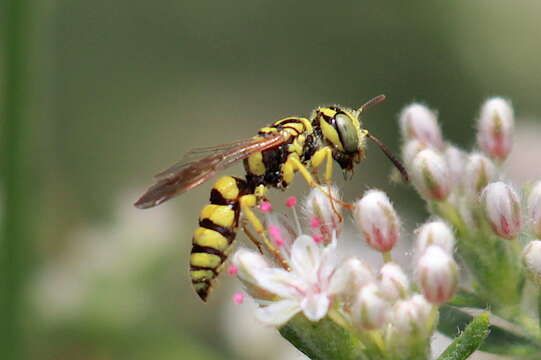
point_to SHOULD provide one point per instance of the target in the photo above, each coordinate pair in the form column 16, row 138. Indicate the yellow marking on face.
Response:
column 256, row 164
column 327, row 112
column 198, row 275
column 221, row 215
column 205, row 260
column 227, row 186
column 330, row 133
column 210, row 238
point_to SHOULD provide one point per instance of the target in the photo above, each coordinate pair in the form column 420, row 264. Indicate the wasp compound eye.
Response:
column 347, row 132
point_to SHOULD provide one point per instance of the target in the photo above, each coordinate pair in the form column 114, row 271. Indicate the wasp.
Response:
column 271, row 160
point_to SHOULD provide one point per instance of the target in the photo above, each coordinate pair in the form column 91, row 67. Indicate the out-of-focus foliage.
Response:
column 120, row 89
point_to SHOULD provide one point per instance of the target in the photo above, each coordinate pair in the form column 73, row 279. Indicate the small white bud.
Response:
column 394, row 283
column 430, row 175
column 501, row 205
column 410, row 149
column 437, row 274
column 377, row 219
column 495, row 128
column 371, row 309
column 531, row 258
column 357, row 275
column 324, row 217
column 411, row 316
column 419, row 122
column 456, row 162
column 534, row 209
column 480, row 171
column 435, row 233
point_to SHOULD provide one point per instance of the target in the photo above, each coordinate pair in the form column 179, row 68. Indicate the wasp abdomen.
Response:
column 212, row 240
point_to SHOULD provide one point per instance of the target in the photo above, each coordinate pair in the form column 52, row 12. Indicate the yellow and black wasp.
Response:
column 271, row 159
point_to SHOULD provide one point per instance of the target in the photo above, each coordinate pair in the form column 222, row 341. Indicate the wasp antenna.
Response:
column 389, row 155
column 378, row 99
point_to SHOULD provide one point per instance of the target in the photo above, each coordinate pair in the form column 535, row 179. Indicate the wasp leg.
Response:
column 298, row 165
column 247, row 202
column 252, row 237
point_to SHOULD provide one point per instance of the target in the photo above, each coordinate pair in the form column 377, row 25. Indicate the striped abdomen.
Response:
column 212, row 240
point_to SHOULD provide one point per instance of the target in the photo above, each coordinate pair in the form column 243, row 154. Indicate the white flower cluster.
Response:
column 471, row 187
column 317, row 283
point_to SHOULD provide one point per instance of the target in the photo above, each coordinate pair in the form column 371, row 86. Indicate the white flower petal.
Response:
column 315, row 306
column 306, row 258
column 281, row 282
column 278, row 313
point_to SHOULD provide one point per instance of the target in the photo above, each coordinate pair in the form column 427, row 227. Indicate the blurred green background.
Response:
column 99, row 95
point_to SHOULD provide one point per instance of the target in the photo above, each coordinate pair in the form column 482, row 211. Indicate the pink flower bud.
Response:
column 430, row 175
column 319, row 209
column 480, row 171
column 357, row 275
column 435, row 233
column 377, row 219
column 531, row 258
column 394, row 283
column 410, row 151
column 495, row 128
column 456, row 162
column 371, row 309
column 501, row 205
column 419, row 122
column 534, row 209
column 411, row 316
column 437, row 274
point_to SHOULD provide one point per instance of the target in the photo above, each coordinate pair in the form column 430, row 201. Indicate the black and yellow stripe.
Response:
column 212, row 240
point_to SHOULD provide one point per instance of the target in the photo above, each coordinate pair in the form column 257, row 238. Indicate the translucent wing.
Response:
column 199, row 165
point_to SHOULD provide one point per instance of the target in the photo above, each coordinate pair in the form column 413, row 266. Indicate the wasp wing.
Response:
column 200, row 165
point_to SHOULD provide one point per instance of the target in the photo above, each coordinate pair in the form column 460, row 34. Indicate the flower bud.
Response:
column 501, row 205
column 534, row 209
column 323, row 216
column 430, row 175
column 357, row 275
column 495, row 128
column 456, row 162
column 480, row 171
column 435, row 233
column 411, row 316
column 371, row 310
column 394, row 283
column 419, row 122
column 437, row 274
column 531, row 258
column 378, row 220
column 410, row 151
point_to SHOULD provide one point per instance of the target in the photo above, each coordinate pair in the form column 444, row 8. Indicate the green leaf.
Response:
column 469, row 341
column 500, row 341
column 322, row 340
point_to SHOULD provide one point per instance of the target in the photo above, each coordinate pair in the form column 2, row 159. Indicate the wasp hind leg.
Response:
column 247, row 202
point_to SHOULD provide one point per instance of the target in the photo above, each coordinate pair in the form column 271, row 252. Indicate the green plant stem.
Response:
column 14, row 227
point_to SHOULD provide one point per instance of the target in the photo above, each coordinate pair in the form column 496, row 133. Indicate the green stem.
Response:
column 14, row 227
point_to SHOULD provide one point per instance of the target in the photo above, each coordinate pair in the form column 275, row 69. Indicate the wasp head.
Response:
column 340, row 128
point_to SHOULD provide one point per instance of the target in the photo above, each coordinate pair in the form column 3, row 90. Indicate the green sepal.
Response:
column 323, row 340
column 465, row 298
column 469, row 341
column 500, row 341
